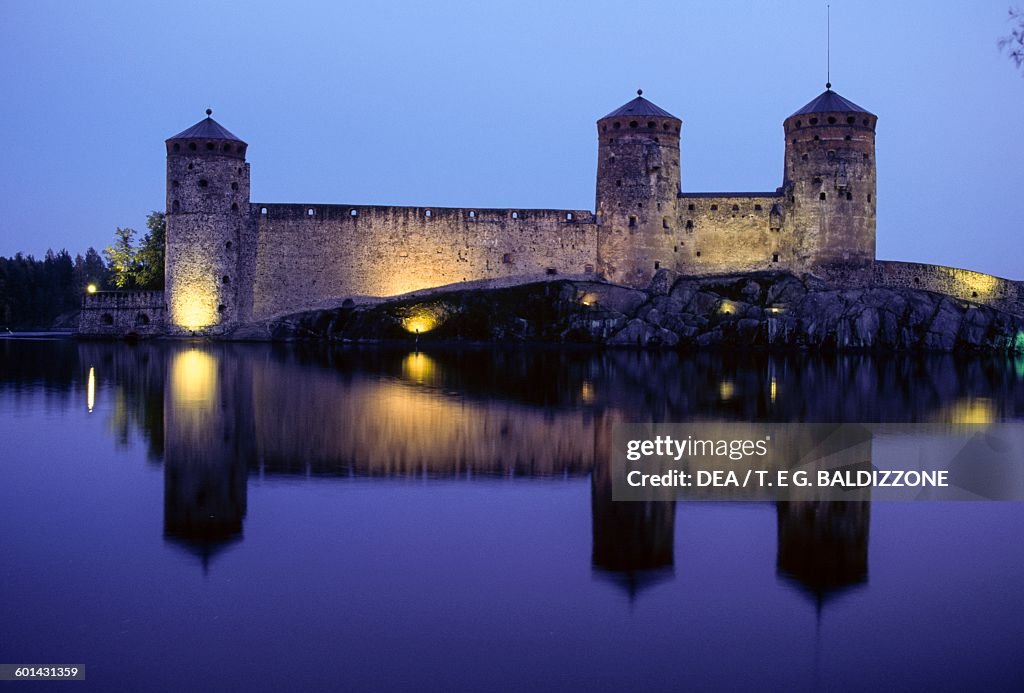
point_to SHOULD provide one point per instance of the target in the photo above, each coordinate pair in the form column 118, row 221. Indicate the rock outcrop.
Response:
column 748, row 310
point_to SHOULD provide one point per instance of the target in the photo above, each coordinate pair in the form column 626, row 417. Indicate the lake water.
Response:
column 255, row 517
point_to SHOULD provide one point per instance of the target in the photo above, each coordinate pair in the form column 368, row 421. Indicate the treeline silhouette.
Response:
column 48, row 292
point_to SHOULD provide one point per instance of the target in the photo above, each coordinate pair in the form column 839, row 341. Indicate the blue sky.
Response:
column 494, row 104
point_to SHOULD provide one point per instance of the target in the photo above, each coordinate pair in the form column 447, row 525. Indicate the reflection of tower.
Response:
column 823, row 545
column 205, row 463
column 633, row 540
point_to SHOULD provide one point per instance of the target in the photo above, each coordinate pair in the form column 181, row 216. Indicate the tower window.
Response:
column 865, row 121
column 227, row 245
column 177, row 146
column 569, row 216
column 689, row 225
column 697, row 253
column 310, row 212
column 234, row 186
column 691, row 207
column 234, row 206
column 714, row 208
column 775, row 257
column 851, row 120
column 238, row 149
column 175, row 206
column 757, row 208
column 869, row 197
column 657, row 265
column 792, row 199
column 803, row 157
column 849, row 196
column 263, row 211
column 611, row 140
column 813, row 121
column 799, row 123
column 192, row 146
column 174, row 183
column 866, row 157
column 428, row 214
column 664, row 223
column 816, row 138
column 141, row 320
column 831, row 120
column 108, row 319
column 633, row 124
column 617, row 125
column 239, row 170
column 203, row 182
column 221, row 308
column 507, row 258
column 651, row 124
column 472, row 215
column 354, row 213
column 735, row 208
column 209, row 146
column 551, row 271
column 632, row 222
column 515, row 215
column 225, row 279
column 847, row 138
column 821, row 196
column 665, row 126
column 227, row 147
column 817, row 181
column 618, row 183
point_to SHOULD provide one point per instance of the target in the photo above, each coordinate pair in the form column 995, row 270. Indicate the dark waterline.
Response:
column 238, row 517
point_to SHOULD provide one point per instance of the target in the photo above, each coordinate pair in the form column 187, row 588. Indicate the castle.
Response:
column 231, row 261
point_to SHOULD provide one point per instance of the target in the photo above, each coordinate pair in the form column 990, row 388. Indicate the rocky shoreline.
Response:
column 776, row 309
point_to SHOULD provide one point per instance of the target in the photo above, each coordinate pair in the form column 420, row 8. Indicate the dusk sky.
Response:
column 493, row 104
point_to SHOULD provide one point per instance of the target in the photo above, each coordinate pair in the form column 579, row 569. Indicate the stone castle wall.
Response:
column 308, row 254
column 118, row 313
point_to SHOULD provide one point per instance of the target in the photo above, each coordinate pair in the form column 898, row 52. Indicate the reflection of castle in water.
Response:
column 205, row 466
column 228, row 411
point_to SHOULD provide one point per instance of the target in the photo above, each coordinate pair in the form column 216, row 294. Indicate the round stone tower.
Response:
column 207, row 206
column 637, row 189
column 829, row 182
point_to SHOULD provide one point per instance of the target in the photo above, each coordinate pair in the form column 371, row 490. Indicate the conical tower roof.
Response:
column 829, row 101
column 639, row 107
column 206, row 129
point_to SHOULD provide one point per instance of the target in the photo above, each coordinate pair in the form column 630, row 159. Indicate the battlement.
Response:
column 356, row 213
column 119, row 313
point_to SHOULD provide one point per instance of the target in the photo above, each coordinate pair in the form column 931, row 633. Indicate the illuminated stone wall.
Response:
column 960, row 283
column 307, row 254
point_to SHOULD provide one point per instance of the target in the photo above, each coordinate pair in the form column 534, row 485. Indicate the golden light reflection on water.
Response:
column 90, row 389
column 774, row 389
column 420, row 369
column 973, row 410
column 193, row 380
column 726, row 389
column 587, row 392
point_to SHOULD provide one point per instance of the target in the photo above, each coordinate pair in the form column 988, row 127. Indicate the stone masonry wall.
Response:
column 307, row 254
column 729, row 232
column 976, row 287
column 118, row 313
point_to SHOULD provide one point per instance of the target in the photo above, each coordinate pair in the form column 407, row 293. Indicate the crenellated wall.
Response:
column 118, row 313
column 307, row 254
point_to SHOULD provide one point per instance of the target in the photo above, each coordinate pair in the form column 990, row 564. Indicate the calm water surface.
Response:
column 217, row 517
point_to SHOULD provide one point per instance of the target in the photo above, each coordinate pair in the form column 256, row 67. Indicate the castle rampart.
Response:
column 118, row 313
column 309, row 253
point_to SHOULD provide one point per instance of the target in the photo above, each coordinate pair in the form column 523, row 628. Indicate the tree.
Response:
column 150, row 258
column 142, row 267
column 122, row 258
column 1014, row 43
